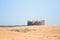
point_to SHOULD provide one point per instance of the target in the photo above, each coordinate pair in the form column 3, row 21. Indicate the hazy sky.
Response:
column 17, row 12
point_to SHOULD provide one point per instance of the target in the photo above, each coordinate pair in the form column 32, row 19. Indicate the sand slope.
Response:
column 43, row 32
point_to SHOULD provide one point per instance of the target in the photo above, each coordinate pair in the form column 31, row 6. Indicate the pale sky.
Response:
column 17, row 12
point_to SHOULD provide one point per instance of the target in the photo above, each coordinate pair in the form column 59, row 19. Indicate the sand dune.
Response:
column 40, row 32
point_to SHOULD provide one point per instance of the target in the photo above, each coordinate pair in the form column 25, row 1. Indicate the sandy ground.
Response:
column 41, row 32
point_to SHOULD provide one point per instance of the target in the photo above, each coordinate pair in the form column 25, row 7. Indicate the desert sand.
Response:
column 37, row 32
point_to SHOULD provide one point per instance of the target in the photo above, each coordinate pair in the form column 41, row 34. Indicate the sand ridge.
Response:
column 37, row 32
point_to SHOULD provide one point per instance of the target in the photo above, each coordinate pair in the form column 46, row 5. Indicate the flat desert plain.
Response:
column 37, row 32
